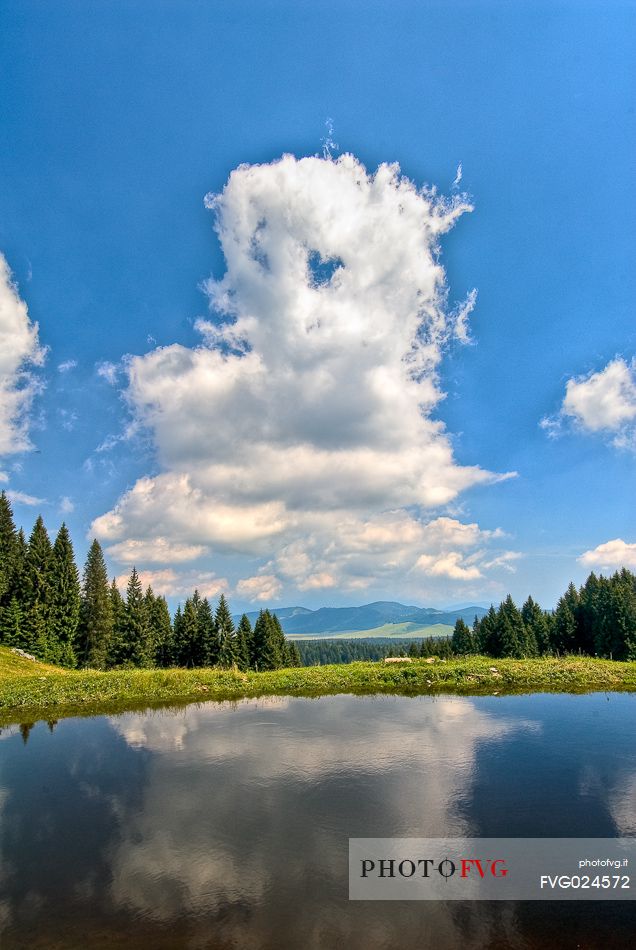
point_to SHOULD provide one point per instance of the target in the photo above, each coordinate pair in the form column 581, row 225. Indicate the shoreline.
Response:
column 31, row 691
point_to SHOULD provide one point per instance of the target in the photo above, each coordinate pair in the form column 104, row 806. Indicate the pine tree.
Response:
column 37, row 592
column 96, row 617
column 485, row 634
column 116, row 652
column 244, row 643
column 294, row 655
column 192, row 650
column 462, row 641
column 208, row 634
column 564, row 628
column 149, row 612
column 11, row 625
column 511, row 632
column 162, row 632
column 64, row 608
column 8, row 550
column 267, row 645
column 177, row 650
column 225, row 633
column 536, row 628
column 136, row 647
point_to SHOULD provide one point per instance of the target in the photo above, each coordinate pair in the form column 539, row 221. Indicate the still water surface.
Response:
column 226, row 825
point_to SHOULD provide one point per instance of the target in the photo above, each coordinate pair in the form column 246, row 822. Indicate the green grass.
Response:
column 31, row 691
column 397, row 630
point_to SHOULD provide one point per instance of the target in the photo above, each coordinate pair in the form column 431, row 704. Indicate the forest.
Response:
column 47, row 610
column 598, row 619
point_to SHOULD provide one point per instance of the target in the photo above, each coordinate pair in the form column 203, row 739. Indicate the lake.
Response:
column 226, row 825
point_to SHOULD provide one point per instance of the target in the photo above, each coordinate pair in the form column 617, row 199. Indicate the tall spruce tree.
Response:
column 176, row 650
column 37, row 592
column 64, row 607
column 136, row 646
column 208, row 633
column 564, row 628
column 267, row 643
column 8, row 550
column 96, row 617
column 536, row 628
column 510, row 630
column 162, row 632
column 294, row 658
column 193, row 647
column 244, row 643
column 461, row 640
column 225, row 632
column 116, row 653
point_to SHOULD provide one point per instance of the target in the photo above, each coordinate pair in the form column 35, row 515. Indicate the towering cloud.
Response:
column 19, row 348
column 308, row 404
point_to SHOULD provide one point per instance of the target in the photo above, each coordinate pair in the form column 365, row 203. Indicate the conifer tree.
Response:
column 209, row 638
column 162, row 632
column 462, row 641
column 191, row 640
column 294, row 658
column 149, row 609
column 564, row 628
column 536, row 628
column 96, row 617
column 116, row 652
column 11, row 625
column 244, row 643
column 510, row 630
column 225, row 632
column 64, row 608
column 267, row 645
column 177, row 638
column 136, row 648
column 485, row 634
column 37, row 592
column 8, row 550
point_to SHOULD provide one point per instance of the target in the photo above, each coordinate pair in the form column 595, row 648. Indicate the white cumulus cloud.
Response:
column 611, row 555
column 265, row 587
column 168, row 583
column 308, row 404
column 602, row 402
column 19, row 349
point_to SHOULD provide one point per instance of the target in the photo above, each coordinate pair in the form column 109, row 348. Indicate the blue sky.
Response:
column 120, row 117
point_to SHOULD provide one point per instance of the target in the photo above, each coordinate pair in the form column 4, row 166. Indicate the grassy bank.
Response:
column 31, row 690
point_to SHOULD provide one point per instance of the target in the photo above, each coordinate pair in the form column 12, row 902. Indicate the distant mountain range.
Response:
column 332, row 621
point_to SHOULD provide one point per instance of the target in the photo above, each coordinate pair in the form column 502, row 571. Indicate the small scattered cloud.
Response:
column 108, row 371
column 461, row 315
column 602, row 402
column 66, row 505
column 611, row 555
column 68, row 418
column 19, row 349
column 21, row 498
column 262, row 587
column 66, row 366
column 459, row 174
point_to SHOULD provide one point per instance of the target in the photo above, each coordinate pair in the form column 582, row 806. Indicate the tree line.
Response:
column 318, row 652
column 46, row 610
column 598, row 619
